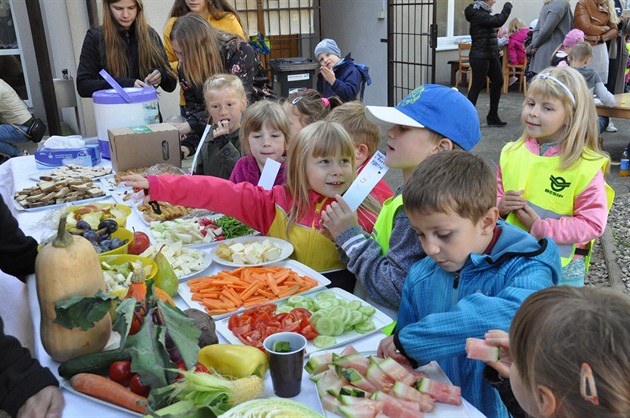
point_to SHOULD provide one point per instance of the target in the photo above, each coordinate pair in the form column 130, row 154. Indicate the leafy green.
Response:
column 124, row 317
column 183, row 331
column 148, row 355
column 269, row 408
column 232, row 227
column 82, row 311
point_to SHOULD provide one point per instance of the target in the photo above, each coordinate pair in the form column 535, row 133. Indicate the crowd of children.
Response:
column 457, row 250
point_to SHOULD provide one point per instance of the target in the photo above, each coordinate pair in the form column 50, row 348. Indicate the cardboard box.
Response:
column 50, row 158
column 144, row 145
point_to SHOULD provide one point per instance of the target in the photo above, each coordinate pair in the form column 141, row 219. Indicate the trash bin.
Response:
column 292, row 74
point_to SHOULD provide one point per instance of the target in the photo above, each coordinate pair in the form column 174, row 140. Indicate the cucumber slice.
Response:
column 325, row 295
column 367, row 310
column 365, row 326
column 327, row 303
column 315, row 317
column 342, row 302
column 325, row 326
column 354, row 305
column 323, row 341
column 296, row 300
column 356, row 317
column 340, row 326
column 284, row 309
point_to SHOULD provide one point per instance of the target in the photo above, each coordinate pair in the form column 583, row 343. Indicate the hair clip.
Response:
column 587, row 385
column 296, row 100
column 326, row 102
column 217, row 79
column 547, row 76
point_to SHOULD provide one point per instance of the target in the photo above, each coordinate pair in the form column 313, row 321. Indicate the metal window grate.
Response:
column 412, row 39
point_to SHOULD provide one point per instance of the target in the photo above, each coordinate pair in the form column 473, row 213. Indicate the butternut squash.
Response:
column 69, row 266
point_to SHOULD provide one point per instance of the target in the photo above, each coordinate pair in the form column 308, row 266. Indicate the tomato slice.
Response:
column 241, row 329
column 301, row 313
column 309, row 332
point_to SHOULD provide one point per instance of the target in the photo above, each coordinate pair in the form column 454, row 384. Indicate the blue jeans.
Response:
column 9, row 135
column 603, row 122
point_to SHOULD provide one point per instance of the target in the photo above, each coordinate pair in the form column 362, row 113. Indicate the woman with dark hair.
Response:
column 218, row 13
column 484, row 53
column 202, row 52
column 127, row 47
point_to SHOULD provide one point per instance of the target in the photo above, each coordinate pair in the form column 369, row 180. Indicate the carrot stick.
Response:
column 281, row 276
column 255, row 302
column 249, row 290
column 292, row 291
column 109, row 391
column 266, row 294
column 272, row 284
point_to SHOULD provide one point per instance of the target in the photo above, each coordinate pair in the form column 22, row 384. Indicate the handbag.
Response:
column 37, row 130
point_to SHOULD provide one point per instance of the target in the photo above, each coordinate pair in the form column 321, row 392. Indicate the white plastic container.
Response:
column 112, row 111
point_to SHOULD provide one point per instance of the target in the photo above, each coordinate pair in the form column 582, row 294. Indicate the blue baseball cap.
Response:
column 439, row 108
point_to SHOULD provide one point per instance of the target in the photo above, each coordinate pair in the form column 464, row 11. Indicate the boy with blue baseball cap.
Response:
column 431, row 119
column 339, row 76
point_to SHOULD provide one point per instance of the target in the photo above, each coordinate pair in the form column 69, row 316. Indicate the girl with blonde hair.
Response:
column 320, row 166
column 127, row 47
column 558, row 369
column 204, row 52
column 551, row 180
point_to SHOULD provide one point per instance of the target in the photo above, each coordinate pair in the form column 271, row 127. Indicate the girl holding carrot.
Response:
column 320, row 165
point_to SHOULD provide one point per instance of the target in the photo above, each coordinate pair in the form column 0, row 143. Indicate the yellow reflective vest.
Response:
column 549, row 190
column 384, row 224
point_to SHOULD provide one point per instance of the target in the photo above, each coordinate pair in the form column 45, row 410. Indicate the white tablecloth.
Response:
column 15, row 175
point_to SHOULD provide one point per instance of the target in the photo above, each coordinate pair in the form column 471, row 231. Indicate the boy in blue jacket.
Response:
column 477, row 272
column 339, row 77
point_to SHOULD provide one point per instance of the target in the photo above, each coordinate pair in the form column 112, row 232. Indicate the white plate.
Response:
column 118, row 191
column 56, row 205
column 435, row 372
column 207, row 260
column 184, row 290
column 67, row 386
column 285, row 246
column 380, row 320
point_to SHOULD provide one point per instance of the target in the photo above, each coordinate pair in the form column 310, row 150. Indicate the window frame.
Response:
column 19, row 51
column 450, row 41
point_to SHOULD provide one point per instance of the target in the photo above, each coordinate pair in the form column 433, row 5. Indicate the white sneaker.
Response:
column 611, row 127
column 512, row 80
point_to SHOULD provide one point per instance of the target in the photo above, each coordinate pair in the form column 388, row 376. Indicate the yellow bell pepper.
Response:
column 234, row 360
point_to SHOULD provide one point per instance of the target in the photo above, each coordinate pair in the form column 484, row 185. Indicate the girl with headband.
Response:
column 551, row 180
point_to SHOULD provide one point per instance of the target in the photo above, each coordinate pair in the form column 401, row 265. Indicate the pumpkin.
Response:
column 66, row 267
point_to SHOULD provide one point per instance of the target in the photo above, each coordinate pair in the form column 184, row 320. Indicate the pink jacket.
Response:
column 516, row 50
column 590, row 212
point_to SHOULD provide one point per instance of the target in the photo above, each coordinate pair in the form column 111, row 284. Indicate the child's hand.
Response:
column 338, row 217
column 527, row 216
column 328, row 74
column 136, row 181
column 500, row 339
column 387, row 348
column 154, row 78
column 46, row 403
column 223, row 128
column 511, row 201
column 183, row 128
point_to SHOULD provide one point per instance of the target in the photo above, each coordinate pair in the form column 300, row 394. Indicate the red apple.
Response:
column 139, row 243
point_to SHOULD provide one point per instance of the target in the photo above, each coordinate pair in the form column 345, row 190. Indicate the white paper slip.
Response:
column 269, row 174
column 201, row 141
column 371, row 174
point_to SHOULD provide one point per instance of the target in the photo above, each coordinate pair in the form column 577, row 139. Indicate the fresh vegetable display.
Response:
column 182, row 260
column 228, row 291
column 350, row 384
column 234, row 360
column 198, row 230
column 209, row 392
column 254, row 325
column 332, row 316
column 117, row 274
column 107, row 390
column 64, row 268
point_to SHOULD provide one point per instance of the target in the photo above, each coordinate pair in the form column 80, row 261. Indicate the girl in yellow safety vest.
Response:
column 551, row 180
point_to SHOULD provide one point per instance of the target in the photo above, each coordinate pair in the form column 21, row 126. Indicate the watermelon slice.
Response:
column 403, row 391
column 348, row 350
column 330, row 403
column 478, row 349
column 397, row 372
column 379, row 378
column 441, row 392
column 352, row 361
column 359, row 381
column 318, row 364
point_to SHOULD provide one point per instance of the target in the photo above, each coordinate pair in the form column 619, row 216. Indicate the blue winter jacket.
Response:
column 349, row 77
column 440, row 310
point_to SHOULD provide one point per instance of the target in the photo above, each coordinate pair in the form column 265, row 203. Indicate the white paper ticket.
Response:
column 371, row 174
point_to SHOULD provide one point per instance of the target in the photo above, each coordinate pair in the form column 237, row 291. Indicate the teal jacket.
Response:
column 440, row 310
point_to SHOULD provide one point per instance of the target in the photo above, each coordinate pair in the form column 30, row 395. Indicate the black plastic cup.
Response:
column 286, row 367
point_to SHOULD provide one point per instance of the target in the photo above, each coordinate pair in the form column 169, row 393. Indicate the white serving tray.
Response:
column 304, row 270
column 380, row 320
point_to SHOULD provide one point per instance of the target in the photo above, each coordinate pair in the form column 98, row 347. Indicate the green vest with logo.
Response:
column 384, row 224
column 549, row 190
